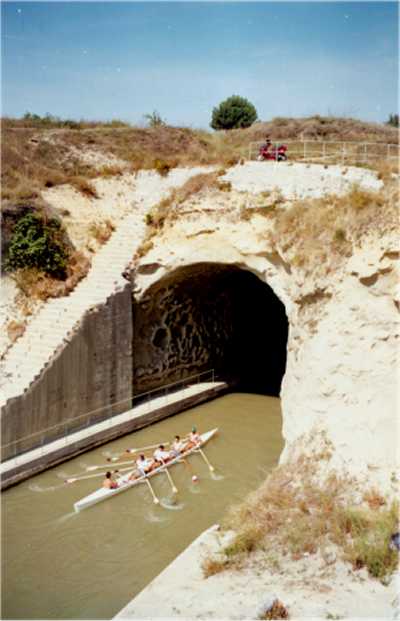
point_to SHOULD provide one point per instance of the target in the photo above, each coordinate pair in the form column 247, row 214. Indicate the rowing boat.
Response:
column 124, row 483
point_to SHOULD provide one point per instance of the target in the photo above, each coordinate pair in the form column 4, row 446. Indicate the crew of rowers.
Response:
column 160, row 457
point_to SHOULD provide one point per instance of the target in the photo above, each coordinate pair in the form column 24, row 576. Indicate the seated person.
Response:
column 161, row 456
column 108, row 483
column 177, row 447
column 144, row 464
column 267, row 143
column 194, row 439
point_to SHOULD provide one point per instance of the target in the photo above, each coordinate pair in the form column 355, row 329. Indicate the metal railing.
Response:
column 63, row 429
column 331, row 150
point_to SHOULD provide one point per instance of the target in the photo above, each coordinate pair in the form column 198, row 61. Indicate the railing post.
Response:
column 212, row 376
column 304, row 150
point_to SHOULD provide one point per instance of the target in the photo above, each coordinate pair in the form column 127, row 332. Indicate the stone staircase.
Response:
column 52, row 327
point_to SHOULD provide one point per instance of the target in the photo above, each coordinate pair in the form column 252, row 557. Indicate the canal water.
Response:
column 57, row 564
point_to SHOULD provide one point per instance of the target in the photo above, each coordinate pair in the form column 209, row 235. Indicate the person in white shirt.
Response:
column 161, row 455
column 144, row 464
column 177, row 446
column 194, row 439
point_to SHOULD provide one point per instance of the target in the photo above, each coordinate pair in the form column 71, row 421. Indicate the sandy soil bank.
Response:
column 310, row 588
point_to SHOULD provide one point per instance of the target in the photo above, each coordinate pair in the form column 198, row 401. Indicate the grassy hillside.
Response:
column 48, row 153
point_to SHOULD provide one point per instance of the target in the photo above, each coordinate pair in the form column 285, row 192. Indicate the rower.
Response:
column 108, row 483
column 194, row 439
column 144, row 464
column 177, row 446
column 161, row 455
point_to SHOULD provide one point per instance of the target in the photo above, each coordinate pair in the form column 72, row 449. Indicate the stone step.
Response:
column 56, row 321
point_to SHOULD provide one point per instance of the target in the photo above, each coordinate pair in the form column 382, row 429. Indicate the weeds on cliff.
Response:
column 34, row 283
column 277, row 611
column 317, row 234
column 370, row 532
column 84, row 186
column 168, row 208
column 297, row 512
column 162, row 167
column 15, row 329
column 102, row 231
column 110, row 171
column 211, row 566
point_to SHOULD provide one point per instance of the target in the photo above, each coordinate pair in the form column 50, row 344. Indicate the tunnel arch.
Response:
column 210, row 315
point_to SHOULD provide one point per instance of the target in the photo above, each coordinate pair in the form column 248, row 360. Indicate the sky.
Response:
column 105, row 60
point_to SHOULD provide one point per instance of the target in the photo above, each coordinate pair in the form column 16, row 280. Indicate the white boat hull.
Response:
column 124, row 483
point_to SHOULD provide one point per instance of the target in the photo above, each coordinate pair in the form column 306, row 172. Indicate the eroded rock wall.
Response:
column 341, row 379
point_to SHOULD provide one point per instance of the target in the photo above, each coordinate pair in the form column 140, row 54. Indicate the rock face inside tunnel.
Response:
column 210, row 316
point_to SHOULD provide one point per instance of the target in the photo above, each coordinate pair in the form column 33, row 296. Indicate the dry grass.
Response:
column 277, row 611
column 84, row 186
column 36, row 284
column 15, row 329
column 169, row 207
column 316, row 234
column 102, row 231
column 212, row 566
column 296, row 511
column 33, row 159
column 110, row 171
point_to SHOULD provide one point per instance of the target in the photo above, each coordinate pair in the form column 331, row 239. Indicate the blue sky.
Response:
column 122, row 60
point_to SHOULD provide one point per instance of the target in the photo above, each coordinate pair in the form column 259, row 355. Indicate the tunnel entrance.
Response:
column 210, row 316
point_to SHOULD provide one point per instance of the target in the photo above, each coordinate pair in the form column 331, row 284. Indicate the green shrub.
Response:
column 233, row 113
column 38, row 243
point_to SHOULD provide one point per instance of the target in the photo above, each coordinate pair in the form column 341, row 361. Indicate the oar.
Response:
column 144, row 448
column 174, row 488
column 206, row 460
column 190, row 468
column 92, row 476
column 121, row 463
column 155, row 499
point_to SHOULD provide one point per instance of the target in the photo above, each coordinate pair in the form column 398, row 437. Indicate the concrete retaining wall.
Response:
column 77, row 443
column 91, row 371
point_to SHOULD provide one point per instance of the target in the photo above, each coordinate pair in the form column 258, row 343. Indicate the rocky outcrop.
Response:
column 220, row 288
column 341, row 373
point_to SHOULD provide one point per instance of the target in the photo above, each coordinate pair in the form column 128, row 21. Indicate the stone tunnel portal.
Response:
column 210, row 316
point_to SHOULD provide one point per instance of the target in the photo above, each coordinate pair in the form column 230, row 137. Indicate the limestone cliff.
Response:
column 340, row 302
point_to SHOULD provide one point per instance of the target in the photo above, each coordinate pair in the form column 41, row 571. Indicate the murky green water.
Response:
column 60, row 565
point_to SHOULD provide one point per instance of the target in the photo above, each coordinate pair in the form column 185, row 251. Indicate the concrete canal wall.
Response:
column 88, row 373
column 15, row 470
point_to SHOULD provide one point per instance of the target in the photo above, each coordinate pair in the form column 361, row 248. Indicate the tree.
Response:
column 233, row 113
column 154, row 119
column 393, row 120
